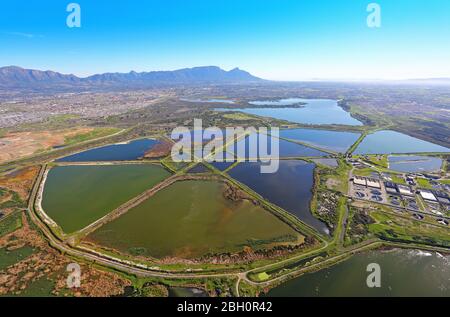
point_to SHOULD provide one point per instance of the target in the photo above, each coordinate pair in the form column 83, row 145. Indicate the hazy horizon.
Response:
column 275, row 40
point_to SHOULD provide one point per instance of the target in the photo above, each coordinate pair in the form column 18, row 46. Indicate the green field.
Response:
column 423, row 183
column 94, row 134
column 76, row 196
column 10, row 223
column 190, row 219
column 8, row 258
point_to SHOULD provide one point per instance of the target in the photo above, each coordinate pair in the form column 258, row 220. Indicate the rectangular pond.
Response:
column 315, row 111
column 76, row 196
column 201, row 220
column 115, row 152
column 290, row 187
column 414, row 163
column 286, row 148
column 387, row 142
column 336, row 141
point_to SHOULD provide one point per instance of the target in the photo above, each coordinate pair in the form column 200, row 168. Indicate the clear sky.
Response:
column 273, row 39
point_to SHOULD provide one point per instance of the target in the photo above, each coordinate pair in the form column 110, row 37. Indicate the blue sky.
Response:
column 274, row 39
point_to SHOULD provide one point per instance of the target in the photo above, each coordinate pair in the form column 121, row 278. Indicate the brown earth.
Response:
column 20, row 144
column 20, row 180
column 161, row 149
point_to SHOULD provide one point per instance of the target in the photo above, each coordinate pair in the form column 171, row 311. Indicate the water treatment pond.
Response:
column 290, row 187
column 114, row 152
column 200, row 221
column 387, row 142
column 336, row 141
column 75, row 196
column 414, row 163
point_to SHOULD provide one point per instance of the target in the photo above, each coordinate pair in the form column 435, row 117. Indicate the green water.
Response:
column 76, row 196
column 190, row 219
column 40, row 288
column 186, row 292
column 403, row 273
column 8, row 258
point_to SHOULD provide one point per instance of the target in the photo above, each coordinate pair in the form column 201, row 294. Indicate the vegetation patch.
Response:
column 13, row 256
column 10, row 223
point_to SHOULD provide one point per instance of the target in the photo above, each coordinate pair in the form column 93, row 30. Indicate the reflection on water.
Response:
column 316, row 111
column 186, row 292
column 403, row 273
column 414, row 163
column 387, row 142
column 115, row 152
column 290, row 187
column 330, row 140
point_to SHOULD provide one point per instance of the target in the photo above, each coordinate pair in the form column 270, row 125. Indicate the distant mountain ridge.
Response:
column 13, row 76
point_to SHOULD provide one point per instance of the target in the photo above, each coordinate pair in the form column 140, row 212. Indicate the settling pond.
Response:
column 200, row 220
column 76, row 196
column 414, row 163
column 387, row 142
column 290, row 187
column 286, row 149
column 114, row 152
column 336, row 141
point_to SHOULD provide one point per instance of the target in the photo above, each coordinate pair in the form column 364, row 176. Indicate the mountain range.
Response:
column 17, row 77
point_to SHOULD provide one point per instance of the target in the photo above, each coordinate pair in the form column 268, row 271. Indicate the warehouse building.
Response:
column 405, row 190
column 359, row 181
column 374, row 183
column 426, row 195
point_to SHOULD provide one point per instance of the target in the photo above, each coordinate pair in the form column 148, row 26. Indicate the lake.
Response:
column 316, row 111
column 115, row 152
column 290, row 187
column 212, row 100
column 387, row 142
column 414, row 163
column 76, row 196
column 403, row 273
column 193, row 218
column 336, row 141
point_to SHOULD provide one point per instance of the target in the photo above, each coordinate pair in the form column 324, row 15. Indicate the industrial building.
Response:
column 390, row 187
column 405, row 190
column 359, row 181
column 374, row 183
column 427, row 195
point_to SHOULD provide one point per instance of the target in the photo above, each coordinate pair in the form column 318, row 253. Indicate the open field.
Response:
column 21, row 144
column 16, row 145
column 200, row 221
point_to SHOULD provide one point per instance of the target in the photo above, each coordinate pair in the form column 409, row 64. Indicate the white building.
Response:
column 427, row 195
column 375, row 183
column 405, row 190
column 359, row 181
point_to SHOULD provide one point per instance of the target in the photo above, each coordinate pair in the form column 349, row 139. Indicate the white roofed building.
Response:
column 427, row 195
